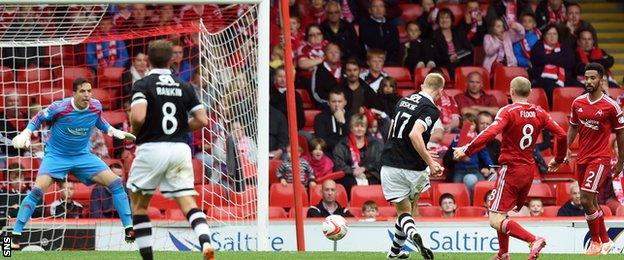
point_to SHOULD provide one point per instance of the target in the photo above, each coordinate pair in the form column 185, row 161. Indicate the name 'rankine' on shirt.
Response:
column 162, row 91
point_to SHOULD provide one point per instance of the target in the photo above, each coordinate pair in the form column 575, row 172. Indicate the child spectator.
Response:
column 387, row 96
column 101, row 201
column 536, row 207
column 370, row 212
column 297, row 37
column 375, row 59
column 66, row 205
column 473, row 24
column 498, row 45
column 522, row 49
column 285, row 174
column 321, row 164
column 418, row 52
column 447, row 203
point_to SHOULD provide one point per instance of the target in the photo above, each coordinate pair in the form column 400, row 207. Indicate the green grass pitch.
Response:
column 273, row 255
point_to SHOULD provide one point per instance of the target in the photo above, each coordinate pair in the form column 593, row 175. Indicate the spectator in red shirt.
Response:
column 475, row 100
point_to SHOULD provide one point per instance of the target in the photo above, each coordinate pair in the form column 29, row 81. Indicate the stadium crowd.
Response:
column 354, row 60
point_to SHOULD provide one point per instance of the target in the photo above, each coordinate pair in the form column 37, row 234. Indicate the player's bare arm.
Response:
column 137, row 116
column 572, row 131
column 419, row 144
column 198, row 120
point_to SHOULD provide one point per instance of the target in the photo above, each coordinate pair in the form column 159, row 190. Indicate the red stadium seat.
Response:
column 430, row 211
column 303, row 143
column 6, row 79
column 566, row 172
column 198, row 171
column 108, row 97
column 34, row 78
column 310, row 114
column 471, row 212
column 154, row 213
column 478, row 55
column 72, row 73
column 115, row 117
column 316, row 194
column 387, row 212
column 308, row 103
column 277, row 213
column 480, row 189
column 226, row 213
column 283, row 196
column 330, row 176
column 421, row 73
column 411, row 12
column 452, row 92
column 562, row 194
column 458, row 190
column 82, row 193
column 563, row 98
column 538, row 97
column 175, row 214
column 304, row 211
column 158, row 200
column 401, row 75
column 503, row 76
column 426, row 198
column 540, row 190
column 620, row 211
column 361, row 194
column 561, row 118
column 30, row 166
column 461, row 76
column 273, row 165
column 246, row 199
column 212, row 195
column 405, row 92
column 457, row 9
column 502, row 98
column 550, row 211
column 356, row 212
column 109, row 77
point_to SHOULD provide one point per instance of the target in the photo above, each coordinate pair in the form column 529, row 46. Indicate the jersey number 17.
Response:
column 401, row 119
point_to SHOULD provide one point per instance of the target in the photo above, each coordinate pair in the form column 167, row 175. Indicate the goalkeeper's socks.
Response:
column 143, row 233
column 120, row 201
column 514, row 229
column 398, row 240
column 406, row 222
column 602, row 228
column 197, row 218
column 27, row 208
column 503, row 242
column 594, row 225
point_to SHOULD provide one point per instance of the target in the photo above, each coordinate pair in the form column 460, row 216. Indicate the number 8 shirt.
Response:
column 595, row 120
column 520, row 124
column 169, row 103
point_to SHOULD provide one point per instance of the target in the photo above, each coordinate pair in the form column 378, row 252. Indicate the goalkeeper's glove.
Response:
column 22, row 140
column 121, row 134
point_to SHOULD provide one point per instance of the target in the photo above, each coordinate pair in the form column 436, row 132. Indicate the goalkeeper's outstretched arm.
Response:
column 22, row 140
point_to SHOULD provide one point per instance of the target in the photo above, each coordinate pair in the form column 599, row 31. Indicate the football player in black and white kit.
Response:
column 406, row 163
column 164, row 110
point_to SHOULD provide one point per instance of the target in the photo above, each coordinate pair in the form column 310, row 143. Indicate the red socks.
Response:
column 593, row 221
column 602, row 228
column 503, row 242
column 515, row 230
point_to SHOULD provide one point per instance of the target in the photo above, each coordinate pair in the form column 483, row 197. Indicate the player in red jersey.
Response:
column 520, row 123
column 594, row 117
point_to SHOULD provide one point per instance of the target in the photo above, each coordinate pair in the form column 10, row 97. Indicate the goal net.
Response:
column 216, row 49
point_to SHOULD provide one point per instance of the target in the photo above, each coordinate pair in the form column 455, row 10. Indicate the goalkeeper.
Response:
column 71, row 121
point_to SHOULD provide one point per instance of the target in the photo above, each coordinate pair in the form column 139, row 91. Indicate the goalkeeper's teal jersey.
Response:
column 70, row 127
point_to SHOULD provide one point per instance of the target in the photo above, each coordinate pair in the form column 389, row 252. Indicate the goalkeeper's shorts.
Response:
column 398, row 184
column 84, row 166
column 167, row 165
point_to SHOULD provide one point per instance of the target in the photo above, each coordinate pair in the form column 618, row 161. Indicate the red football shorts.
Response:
column 591, row 177
column 512, row 187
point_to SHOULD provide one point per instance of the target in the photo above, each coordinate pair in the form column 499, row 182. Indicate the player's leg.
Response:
column 90, row 168
column 28, row 205
column 179, row 184
column 142, row 225
column 592, row 177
